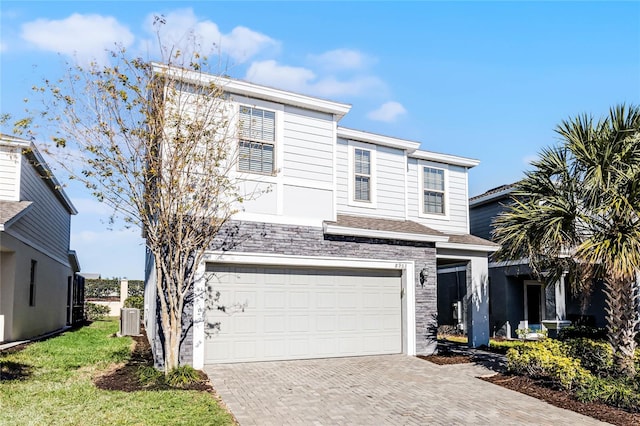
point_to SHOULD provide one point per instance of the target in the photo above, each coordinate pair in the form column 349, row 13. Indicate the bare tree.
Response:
column 157, row 143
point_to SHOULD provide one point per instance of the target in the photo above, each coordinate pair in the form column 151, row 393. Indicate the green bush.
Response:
column 595, row 356
column 136, row 288
column 582, row 331
column 622, row 393
column 134, row 302
column 545, row 359
column 502, row 346
column 95, row 312
column 182, row 376
column 149, row 375
column 106, row 288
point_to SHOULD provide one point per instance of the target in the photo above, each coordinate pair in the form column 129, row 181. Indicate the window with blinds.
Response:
column 362, row 175
column 433, row 191
column 257, row 140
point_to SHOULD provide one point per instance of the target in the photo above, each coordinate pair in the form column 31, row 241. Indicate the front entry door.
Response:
column 533, row 303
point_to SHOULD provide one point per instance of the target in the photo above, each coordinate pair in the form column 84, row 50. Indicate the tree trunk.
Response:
column 622, row 322
column 172, row 345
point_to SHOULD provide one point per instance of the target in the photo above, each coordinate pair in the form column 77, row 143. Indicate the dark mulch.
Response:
column 447, row 358
column 125, row 378
column 564, row 399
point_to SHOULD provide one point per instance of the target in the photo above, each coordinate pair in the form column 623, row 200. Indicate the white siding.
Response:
column 47, row 223
column 456, row 218
column 9, row 167
column 308, row 202
column 388, row 182
column 308, row 145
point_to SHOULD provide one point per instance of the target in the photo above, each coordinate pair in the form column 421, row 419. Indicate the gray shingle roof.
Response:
column 492, row 191
column 406, row 227
column 10, row 209
column 389, row 225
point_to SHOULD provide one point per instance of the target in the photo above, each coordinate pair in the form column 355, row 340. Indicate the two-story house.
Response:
column 518, row 299
column 38, row 282
column 340, row 256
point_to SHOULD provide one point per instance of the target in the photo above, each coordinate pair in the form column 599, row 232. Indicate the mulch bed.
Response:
column 564, row 399
column 538, row 389
column 125, row 378
column 447, row 358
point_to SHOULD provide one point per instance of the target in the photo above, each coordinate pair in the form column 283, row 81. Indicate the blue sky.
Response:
column 486, row 80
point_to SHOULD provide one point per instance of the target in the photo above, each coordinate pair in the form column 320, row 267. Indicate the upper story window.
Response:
column 257, row 140
column 362, row 174
column 433, row 191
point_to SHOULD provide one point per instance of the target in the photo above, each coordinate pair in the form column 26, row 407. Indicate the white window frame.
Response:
column 372, row 203
column 421, row 213
column 273, row 143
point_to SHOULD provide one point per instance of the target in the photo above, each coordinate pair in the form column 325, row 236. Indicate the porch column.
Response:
column 478, row 301
column 560, row 290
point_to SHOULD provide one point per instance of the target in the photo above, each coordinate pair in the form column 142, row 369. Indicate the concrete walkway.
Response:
column 376, row 390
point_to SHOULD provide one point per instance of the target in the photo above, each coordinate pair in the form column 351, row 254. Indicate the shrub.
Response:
column 107, row 288
column 622, row 393
column 134, row 302
column 101, row 289
column 545, row 359
column 582, row 331
column 595, row 356
column 149, row 375
column 502, row 346
column 95, row 312
column 182, row 376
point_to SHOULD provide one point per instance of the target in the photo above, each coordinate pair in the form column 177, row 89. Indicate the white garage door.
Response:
column 271, row 313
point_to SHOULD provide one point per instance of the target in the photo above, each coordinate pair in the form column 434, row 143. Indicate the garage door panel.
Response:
column 303, row 313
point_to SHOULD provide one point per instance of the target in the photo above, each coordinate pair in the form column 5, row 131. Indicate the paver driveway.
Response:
column 376, row 390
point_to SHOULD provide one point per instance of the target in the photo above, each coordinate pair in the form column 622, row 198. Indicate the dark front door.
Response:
column 534, row 295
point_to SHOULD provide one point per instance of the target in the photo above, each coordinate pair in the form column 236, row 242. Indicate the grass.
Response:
column 54, row 386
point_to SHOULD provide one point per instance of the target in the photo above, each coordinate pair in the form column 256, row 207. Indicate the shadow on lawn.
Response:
column 10, row 370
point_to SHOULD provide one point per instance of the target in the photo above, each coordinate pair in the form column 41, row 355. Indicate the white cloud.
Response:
column 182, row 28
column 388, row 112
column 286, row 77
column 303, row 80
column 86, row 36
column 342, row 59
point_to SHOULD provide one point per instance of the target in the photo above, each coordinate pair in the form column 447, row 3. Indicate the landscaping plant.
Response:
column 577, row 213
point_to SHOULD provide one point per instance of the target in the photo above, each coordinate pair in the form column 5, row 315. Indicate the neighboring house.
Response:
column 517, row 298
column 340, row 257
column 39, row 289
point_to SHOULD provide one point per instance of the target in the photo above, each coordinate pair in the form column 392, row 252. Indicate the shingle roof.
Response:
column 407, row 227
column 470, row 239
column 492, row 191
column 10, row 209
column 389, row 225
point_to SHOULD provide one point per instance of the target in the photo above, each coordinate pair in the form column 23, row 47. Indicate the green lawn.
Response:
column 57, row 388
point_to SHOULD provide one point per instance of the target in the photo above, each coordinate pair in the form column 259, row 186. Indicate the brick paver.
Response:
column 376, row 390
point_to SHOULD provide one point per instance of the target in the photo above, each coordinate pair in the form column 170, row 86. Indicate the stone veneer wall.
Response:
column 255, row 237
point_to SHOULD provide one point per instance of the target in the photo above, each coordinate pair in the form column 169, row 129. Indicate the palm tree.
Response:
column 578, row 213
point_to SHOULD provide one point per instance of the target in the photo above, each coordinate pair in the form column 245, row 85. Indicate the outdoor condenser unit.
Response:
column 129, row 322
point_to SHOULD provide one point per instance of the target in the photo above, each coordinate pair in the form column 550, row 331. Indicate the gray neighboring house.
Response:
column 340, row 256
column 39, row 289
column 516, row 298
